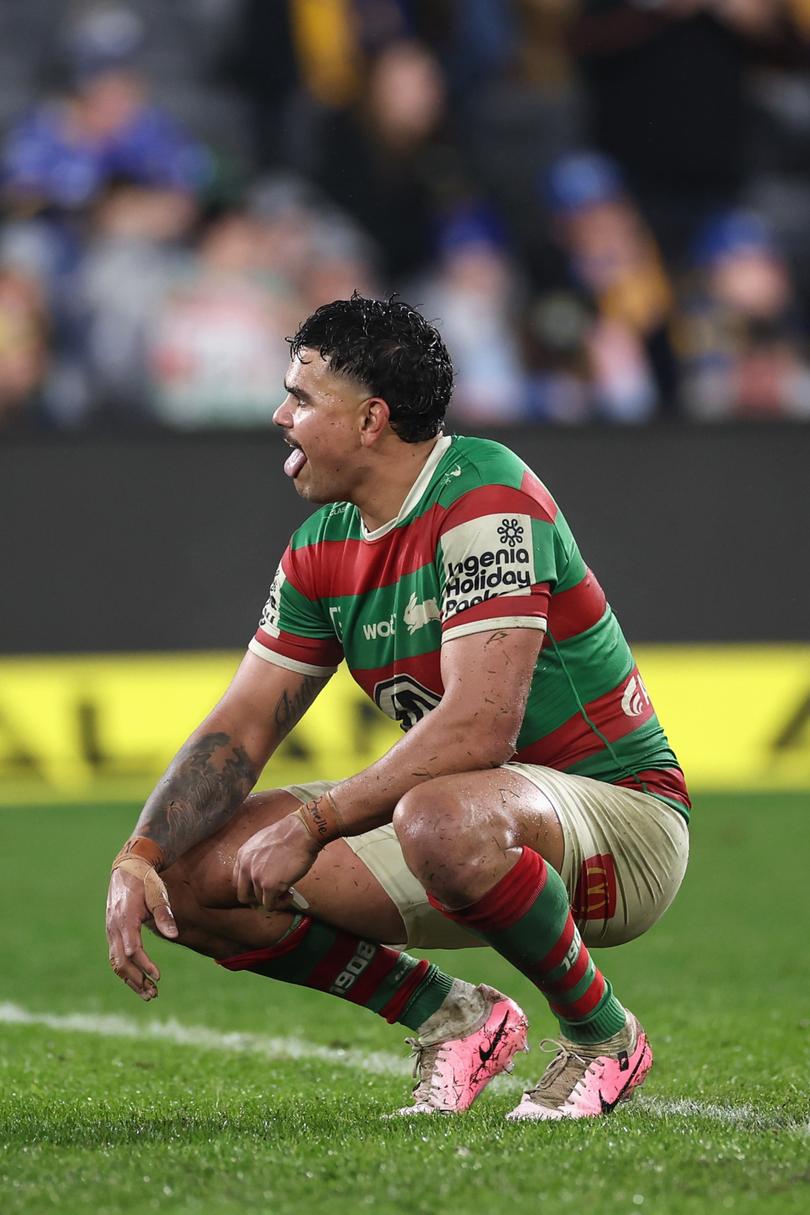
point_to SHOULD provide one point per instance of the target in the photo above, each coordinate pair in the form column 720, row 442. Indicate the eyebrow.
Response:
column 300, row 393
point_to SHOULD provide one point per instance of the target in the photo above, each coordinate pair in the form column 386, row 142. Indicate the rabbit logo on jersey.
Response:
column 484, row 559
column 272, row 609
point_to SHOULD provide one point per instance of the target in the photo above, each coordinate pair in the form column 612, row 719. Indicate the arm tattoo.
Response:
column 290, row 710
column 204, row 784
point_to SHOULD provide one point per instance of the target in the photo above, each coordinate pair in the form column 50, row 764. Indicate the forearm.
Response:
column 442, row 744
column 216, row 769
column 210, row 776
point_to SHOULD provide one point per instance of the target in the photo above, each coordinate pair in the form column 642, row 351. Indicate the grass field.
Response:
column 233, row 1094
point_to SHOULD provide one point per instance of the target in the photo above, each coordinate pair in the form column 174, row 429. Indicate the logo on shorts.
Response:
column 595, row 896
column 404, row 699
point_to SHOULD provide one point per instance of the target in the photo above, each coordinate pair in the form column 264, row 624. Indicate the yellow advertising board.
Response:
column 90, row 728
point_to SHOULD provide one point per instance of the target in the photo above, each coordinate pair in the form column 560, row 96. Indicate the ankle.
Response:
column 463, row 1010
column 610, row 1028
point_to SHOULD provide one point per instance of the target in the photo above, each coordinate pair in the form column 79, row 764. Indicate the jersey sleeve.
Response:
column 497, row 556
column 295, row 631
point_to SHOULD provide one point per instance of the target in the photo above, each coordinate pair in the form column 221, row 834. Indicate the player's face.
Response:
column 322, row 417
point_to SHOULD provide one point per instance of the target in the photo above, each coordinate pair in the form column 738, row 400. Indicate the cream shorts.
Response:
column 625, row 857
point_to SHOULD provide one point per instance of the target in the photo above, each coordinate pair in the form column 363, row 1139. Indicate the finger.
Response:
column 157, row 901
column 165, row 921
column 146, row 992
column 137, row 957
column 121, row 966
column 244, row 886
column 277, row 899
column 134, row 978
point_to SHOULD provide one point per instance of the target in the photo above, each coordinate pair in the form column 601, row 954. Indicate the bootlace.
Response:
column 424, row 1059
column 562, row 1074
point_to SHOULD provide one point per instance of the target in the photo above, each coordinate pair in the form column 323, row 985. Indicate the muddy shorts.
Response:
column 625, row 857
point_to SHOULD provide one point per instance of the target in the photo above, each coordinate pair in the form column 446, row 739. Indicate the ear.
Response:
column 373, row 421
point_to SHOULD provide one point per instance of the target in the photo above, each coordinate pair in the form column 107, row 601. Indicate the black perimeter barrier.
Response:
column 167, row 542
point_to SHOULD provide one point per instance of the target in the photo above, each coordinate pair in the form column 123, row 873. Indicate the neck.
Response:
column 381, row 498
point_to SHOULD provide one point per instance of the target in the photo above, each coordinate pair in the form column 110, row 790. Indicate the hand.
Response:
column 271, row 860
column 132, row 899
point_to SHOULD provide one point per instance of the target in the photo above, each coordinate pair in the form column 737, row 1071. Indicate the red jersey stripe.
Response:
column 573, row 611
column 317, row 651
column 573, row 741
column 339, row 567
column 534, row 605
column 422, row 667
column 535, row 488
column 333, row 568
column 498, row 500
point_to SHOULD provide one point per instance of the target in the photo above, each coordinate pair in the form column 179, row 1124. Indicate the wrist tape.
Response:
column 322, row 819
column 154, row 888
column 144, row 850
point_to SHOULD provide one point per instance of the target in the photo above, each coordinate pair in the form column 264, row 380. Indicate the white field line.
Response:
column 377, row 1062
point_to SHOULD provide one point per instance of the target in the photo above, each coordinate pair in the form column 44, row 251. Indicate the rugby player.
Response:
column 533, row 804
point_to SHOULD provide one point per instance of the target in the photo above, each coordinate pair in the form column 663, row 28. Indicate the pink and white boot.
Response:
column 451, row 1073
column 586, row 1081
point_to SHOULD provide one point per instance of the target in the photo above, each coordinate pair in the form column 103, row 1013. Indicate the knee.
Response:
column 432, row 830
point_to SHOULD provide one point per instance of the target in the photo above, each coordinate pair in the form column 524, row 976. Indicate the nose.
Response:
column 283, row 415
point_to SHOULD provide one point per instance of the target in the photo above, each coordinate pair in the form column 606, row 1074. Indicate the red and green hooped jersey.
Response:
column 478, row 544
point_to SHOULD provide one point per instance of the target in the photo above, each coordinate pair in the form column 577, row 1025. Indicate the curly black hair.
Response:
column 391, row 349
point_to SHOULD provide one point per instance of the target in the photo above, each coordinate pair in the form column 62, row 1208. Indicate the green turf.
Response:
column 113, row 1124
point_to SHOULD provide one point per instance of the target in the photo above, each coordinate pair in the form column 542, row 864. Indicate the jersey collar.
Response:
column 415, row 492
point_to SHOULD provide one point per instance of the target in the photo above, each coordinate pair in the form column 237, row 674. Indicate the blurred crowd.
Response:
column 602, row 203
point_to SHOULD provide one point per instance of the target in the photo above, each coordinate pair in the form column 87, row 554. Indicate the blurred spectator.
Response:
column 63, row 152
column 584, row 368
column 779, row 184
column 299, row 62
column 136, row 236
column 520, row 116
column 307, row 242
column 742, row 344
column 667, row 86
column 474, row 298
column 341, row 261
column 23, row 351
column 559, row 383
column 216, row 350
column 615, row 265
column 388, row 162
column 377, row 121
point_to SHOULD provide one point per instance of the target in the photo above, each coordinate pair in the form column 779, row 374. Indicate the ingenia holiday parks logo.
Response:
column 485, row 559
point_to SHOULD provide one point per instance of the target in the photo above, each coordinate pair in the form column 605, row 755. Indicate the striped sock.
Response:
column 526, row 917
column 395, row 985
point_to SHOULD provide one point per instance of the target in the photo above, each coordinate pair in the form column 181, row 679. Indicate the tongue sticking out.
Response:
column 295, row 462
